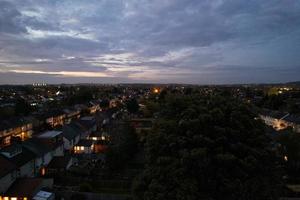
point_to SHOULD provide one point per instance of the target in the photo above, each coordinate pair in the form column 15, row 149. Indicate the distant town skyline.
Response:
column 149, row 41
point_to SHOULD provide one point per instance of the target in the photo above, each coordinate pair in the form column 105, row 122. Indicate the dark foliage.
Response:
column 122, row 148
column 132, row 105
column 22, row 107
column 208, row 147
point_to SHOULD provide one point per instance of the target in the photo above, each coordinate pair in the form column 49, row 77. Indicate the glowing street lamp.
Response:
column 156, row 90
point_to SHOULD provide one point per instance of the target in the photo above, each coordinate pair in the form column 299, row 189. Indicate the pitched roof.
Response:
column 96, row 134
column 293, row 118
column 70, row 131
column 50, row 134
column 13, row 122
column 22, row 158
column 87, row 123
column 54, row 113
column 85, row 143
column 36, row 146
column 25, row 187
column 6, row 166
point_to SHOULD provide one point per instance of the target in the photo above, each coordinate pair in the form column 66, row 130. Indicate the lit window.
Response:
column 82, row 148
column 43, row 171
column 13, row 198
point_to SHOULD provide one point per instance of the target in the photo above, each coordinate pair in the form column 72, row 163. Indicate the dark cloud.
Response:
column 10, row 18
column 209, row 41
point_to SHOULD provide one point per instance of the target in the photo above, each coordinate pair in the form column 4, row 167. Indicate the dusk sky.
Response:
column 159, row 41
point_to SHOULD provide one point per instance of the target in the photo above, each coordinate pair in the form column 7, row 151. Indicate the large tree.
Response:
column 208, row 147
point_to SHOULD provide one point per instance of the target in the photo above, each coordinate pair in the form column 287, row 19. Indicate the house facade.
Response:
column 19, row 128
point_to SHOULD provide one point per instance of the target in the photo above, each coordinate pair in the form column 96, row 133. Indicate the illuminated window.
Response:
column 13, row 198
column 6, row 141
column 43, row 171
column 82, row 148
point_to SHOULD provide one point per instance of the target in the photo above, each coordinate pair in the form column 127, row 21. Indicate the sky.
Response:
column 149, row 41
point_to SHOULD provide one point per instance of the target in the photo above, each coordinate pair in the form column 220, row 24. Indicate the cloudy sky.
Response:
column 166, row 41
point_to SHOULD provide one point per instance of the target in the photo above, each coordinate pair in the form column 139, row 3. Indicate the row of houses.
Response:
column 28, row 159
column 23, row 128
column 52, row 151
column 280, row 120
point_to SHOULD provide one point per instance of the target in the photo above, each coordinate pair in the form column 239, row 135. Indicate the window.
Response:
column 6, row 140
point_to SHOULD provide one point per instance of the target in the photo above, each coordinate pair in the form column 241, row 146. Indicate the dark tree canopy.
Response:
column 122, row 147
column 208, row 147
column 290, row 149
column 132, row 105
column 22, row 107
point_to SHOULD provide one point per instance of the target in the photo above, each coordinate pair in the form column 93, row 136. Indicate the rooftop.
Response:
column 50, row 134
column 25, row 187
column 85, row 143
column 5, row 166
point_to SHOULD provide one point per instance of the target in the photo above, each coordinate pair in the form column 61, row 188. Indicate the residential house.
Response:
column 279, row 120
column 55, row 118
column 30, row 188
column 93, row 107
column 23, row 159
column 274, row 119
column 71, row 135
column 89, row 124
column 17, row 128
column 113, row 103
column 71, row 114
column 84, row 146
column 101, row 140
column 54, row 140
column 43, row 154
